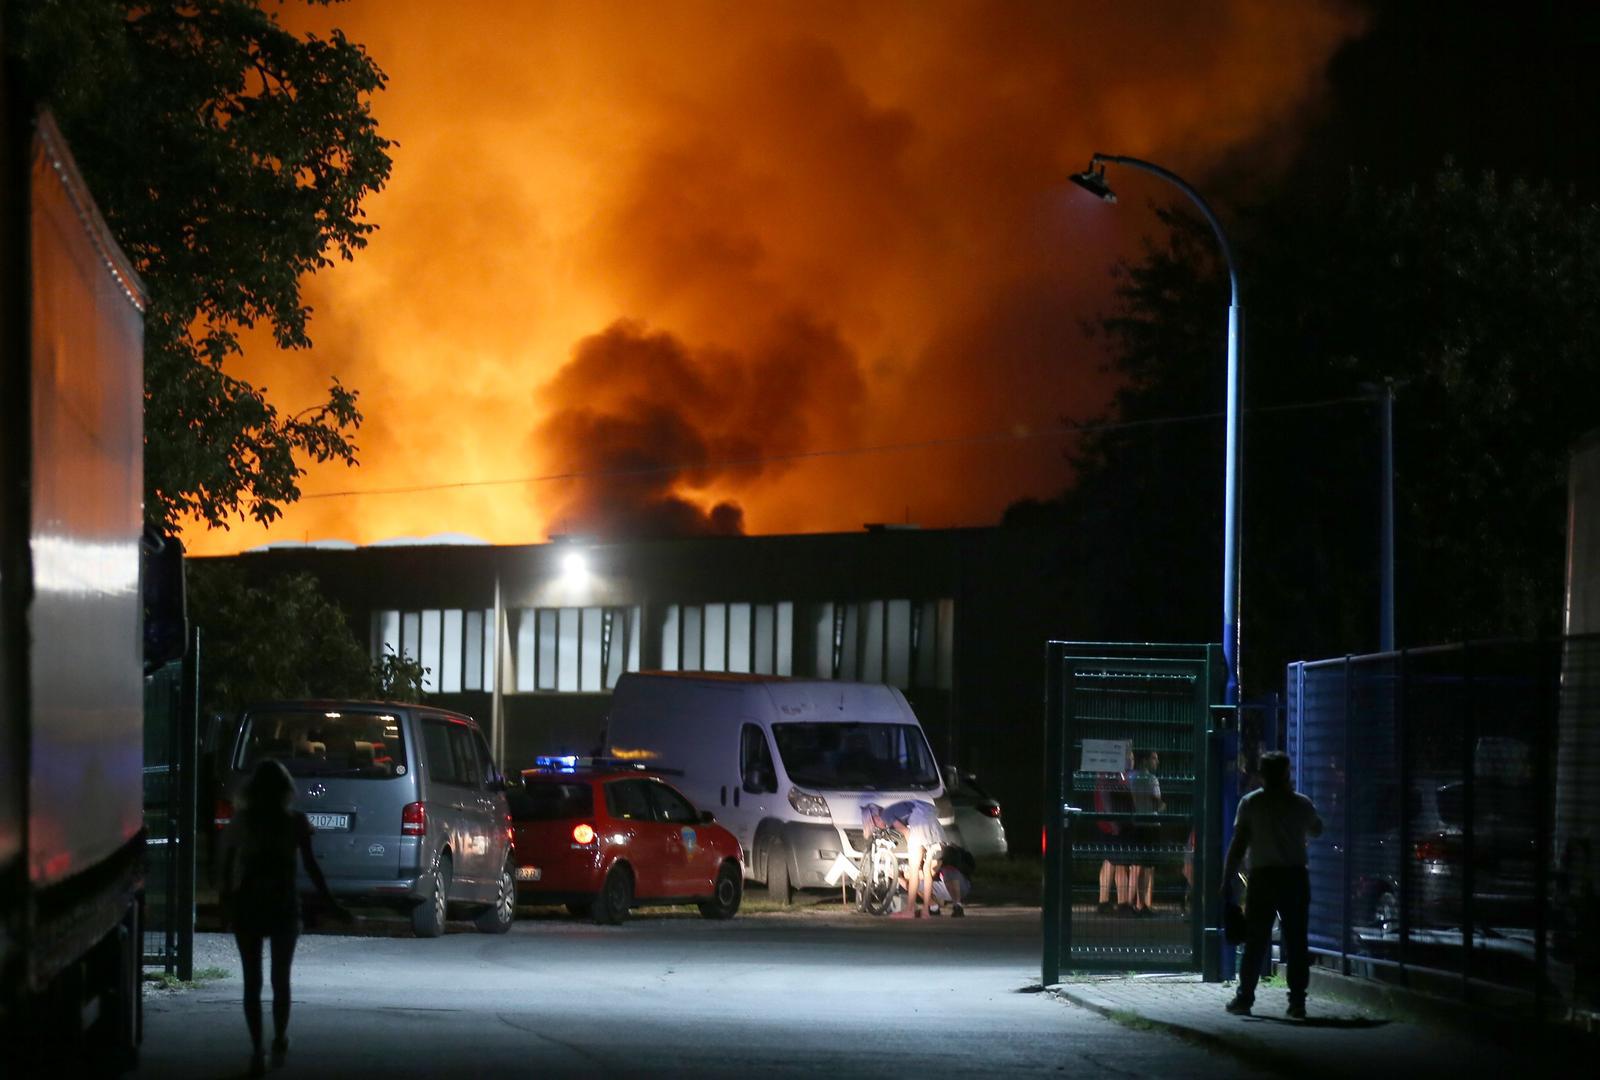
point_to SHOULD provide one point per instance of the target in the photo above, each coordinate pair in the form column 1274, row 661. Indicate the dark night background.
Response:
column 1435, row 226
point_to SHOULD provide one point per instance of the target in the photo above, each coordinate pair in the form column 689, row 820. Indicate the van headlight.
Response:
column 808, row 804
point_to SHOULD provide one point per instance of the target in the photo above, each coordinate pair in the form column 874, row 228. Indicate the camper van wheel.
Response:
column 778, row 890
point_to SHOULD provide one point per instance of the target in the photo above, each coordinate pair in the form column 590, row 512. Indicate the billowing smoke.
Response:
column 770, row 267
column 640, row 423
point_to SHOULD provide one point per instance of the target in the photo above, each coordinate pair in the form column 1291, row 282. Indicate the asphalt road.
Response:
column 818, row 992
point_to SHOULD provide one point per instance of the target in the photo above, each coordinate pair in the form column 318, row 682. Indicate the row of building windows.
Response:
column 904, row 643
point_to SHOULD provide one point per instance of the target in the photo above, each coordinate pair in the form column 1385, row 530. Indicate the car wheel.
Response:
column 580, row 908
column 498, row 916
column 726, row 892
column 616, row 897
column 428, row 917
column 778, row 889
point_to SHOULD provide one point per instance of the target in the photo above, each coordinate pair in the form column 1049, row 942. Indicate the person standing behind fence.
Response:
column 1111, row 796
column 261, row 898
column 1146, row 791
column 1273, row 824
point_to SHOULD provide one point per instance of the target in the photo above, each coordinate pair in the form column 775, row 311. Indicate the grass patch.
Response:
column 1020, row 870
column 165, row 980
column 754, row 905
column 1132, row 1020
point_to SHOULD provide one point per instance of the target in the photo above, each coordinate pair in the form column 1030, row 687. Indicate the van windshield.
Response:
column 857, row 757
column 325, row 743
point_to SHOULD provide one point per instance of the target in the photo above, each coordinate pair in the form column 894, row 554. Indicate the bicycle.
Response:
column 878, row 871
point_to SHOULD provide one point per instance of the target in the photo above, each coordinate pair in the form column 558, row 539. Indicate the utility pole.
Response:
column 1383, row 392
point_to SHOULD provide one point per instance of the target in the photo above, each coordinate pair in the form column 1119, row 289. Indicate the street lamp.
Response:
column 1093, row 180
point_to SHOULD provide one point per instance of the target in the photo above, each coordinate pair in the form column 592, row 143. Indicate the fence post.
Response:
column 1403, row 881
column 1469, row 847
column 1547, row 668
column 187, row 725
column 1344, row 844
column 172, row 674
column 1056, row 864
column 1222, row 800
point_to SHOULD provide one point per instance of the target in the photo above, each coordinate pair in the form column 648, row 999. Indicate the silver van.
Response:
column 408, row 807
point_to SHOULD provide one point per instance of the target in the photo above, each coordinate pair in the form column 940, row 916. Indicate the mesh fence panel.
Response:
column 1319, row 753
column 1458, row 787
column 1133, row 847
column 1370, row 811
column 1573, row 886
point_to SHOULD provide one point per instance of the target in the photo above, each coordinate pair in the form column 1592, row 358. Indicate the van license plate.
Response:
column 330, row 822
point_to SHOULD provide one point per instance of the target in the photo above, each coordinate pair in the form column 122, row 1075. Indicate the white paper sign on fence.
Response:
column 1105, row 755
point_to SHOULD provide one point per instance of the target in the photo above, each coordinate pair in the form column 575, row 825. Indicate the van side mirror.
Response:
column 166, row 614
column 707, row 817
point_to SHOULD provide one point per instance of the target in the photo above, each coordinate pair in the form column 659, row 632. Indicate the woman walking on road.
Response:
column 260, row 898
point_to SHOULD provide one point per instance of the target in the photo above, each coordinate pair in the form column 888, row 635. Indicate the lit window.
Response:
column 669, row 639
column 739, row 637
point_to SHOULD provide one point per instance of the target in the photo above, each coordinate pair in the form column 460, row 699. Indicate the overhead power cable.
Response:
column 1068, row 428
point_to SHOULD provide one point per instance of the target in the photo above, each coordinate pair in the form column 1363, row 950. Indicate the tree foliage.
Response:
column 398, row 678
column 230, row 157
column 1481, row 296
column 282, row 638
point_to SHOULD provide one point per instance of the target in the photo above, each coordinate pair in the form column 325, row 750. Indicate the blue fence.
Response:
column 1460, row 792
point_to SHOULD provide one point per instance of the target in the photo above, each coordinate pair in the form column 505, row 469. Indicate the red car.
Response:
column 603, row 838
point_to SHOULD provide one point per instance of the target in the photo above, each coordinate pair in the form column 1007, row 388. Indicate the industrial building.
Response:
column 530, row 638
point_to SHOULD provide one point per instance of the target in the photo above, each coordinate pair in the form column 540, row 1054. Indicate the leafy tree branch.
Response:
column 230, row 157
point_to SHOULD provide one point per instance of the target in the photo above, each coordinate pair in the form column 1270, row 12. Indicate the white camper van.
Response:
column 784, row 764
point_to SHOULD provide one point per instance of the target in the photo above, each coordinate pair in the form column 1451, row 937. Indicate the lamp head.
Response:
column 1093, row 180
column 574, row 569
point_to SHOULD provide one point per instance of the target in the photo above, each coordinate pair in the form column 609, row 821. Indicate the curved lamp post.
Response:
column 1093, row 180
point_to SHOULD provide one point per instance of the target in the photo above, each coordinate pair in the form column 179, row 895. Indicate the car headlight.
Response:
column 808, row 804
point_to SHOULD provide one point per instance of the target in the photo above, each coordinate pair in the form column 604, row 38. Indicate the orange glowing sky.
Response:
column 669, row 251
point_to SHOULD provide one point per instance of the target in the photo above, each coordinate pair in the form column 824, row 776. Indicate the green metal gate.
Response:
column 171, row 714
column 1129, row 806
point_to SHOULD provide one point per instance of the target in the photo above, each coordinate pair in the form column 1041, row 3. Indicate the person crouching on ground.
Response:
column 956, row 867
column 1272, row 824
column 918, row 822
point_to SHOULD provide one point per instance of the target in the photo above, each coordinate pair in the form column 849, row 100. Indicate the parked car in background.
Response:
column 1433, row 865
column 977, row 815
column 408, row 807
column 603, row 837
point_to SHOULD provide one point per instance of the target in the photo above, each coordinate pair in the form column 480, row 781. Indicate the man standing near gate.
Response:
column 1272, row 824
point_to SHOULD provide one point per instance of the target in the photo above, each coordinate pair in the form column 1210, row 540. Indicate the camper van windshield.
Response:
column 857, row 757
